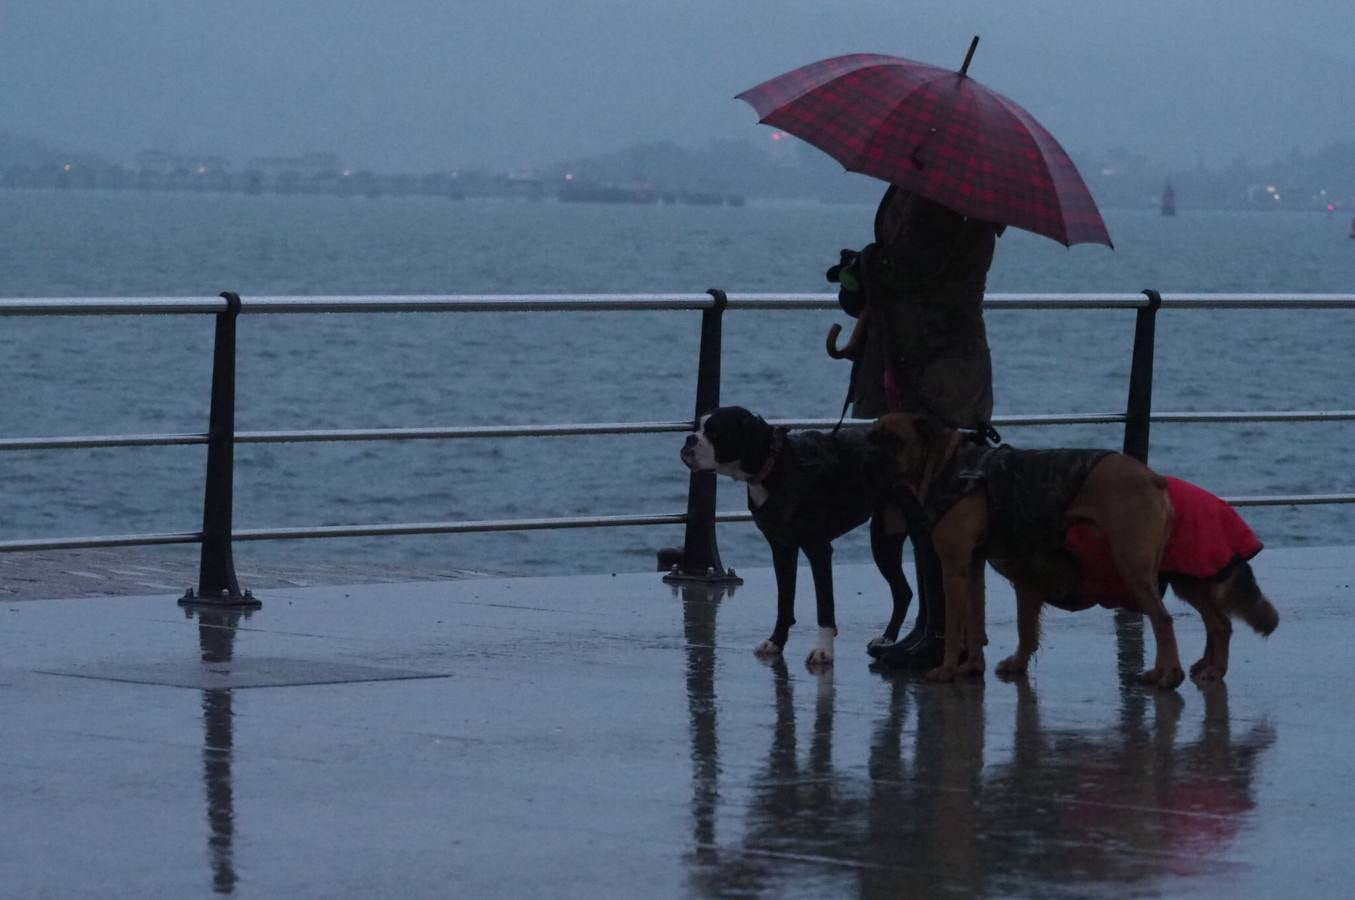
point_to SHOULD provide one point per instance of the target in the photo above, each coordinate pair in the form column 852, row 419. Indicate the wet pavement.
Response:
column 613, row 736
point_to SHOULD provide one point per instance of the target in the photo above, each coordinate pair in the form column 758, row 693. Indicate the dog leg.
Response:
column 1029, row 604
column 975, row 628
column 1136, row 528
column 785, row 558
column 1207, row 601
column 887, row 550
column 821, row 567
column 1166, row 671
column 954, row 539
column 957, row 590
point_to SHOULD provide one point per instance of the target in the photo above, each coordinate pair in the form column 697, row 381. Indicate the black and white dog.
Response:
column 805, row 490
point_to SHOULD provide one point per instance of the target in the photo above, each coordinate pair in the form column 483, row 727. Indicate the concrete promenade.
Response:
column 611, row 736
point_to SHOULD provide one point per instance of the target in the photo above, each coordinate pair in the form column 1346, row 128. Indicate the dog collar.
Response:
column 778, row 441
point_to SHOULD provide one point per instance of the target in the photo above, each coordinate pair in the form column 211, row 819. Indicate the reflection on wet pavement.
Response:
column 613, row 736
column 1070, row 808
column 216, row 640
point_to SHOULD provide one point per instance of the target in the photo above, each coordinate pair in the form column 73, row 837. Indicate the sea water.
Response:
column 120, row 375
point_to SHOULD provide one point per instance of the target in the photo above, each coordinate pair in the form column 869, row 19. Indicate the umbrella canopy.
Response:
column 936, row 132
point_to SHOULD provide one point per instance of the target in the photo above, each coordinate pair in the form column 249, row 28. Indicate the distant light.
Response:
column 202, row 170
column 777, row 135
column 1270, row 188
column 67, row 167
column 1108, row 171
column 569, row 176
column 1331, row 207
column 347, row 173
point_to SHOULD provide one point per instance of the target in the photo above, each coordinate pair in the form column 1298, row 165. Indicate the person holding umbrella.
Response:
column 962, row 163
column 923, row 349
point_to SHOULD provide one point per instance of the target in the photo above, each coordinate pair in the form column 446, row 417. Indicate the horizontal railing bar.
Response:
column 479, row 303
column 602, row 428
column 1314, row 415
column 818, row 301
column 95, row 441
column 484, row 525
column 360, row 434
column 76, row 306
column 1000, row 300
column 493, row 525
column 469, row 431
column 1258, row 301
column 1004, row 421
column 1267, row 500
column 89, row 306
column 111, row 540
column 1291, row 500
column 109, row 306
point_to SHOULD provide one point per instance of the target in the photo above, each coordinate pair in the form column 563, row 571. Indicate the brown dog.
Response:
column 1071, row 528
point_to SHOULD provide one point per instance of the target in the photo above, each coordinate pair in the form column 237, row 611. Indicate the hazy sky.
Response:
column 422, row 85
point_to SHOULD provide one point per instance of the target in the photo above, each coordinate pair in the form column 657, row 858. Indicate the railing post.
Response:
column 217, row 584
column 1139, row 409
column 699, row 559
column 1137, row 423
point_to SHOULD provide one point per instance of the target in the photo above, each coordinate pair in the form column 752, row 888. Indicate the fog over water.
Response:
column 426, row 85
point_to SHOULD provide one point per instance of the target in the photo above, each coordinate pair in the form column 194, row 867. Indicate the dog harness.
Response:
column 1027, row 492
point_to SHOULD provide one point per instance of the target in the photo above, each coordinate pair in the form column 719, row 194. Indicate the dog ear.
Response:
column 755, row 442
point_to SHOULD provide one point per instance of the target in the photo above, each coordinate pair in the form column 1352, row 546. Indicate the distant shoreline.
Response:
column 768, row 201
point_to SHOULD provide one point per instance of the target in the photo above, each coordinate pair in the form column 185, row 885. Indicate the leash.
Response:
column 851, row 392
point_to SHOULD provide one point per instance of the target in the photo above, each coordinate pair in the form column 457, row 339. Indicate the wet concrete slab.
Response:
column 613, row 736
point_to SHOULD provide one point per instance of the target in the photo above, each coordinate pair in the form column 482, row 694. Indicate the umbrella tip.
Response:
column 964, row 69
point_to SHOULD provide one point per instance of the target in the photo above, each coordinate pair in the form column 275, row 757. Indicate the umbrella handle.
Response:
column 964, row 69
column 852, row 349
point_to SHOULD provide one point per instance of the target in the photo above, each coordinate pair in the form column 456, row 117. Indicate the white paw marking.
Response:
column 822, row 654
column 767, row 648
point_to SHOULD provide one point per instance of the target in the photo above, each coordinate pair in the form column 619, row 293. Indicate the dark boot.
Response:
column 923, row 647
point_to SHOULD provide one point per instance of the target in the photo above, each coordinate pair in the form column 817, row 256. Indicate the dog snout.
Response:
column 688, row 451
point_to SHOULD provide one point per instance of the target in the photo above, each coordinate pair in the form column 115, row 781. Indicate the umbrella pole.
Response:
column 964, row 69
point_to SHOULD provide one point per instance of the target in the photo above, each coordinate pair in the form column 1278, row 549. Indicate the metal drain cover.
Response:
column 247, row 672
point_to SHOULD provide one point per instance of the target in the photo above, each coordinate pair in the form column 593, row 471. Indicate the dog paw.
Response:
column 941, row 674
column 877, row 644
column 818, row 659
column 767, row 649
column 1011, row 667
column 971, row 667
column 1202, row 672
column 1163, row 677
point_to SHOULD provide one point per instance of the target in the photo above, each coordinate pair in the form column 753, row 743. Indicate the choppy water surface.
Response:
column 151, row 374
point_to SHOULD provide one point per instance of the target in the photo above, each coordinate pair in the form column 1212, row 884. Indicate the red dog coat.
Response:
column 1207, row 537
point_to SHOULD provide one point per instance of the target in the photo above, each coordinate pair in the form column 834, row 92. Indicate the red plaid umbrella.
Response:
column 938, row 133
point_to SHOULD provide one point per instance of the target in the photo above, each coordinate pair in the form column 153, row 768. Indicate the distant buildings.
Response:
column 724, row 171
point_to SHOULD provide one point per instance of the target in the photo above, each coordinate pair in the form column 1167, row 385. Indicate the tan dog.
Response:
column 1026, row 512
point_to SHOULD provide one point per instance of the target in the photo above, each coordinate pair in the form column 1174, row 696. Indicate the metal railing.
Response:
column 700, row 558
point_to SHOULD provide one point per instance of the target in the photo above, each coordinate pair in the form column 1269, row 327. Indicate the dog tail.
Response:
column 1246, row 601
